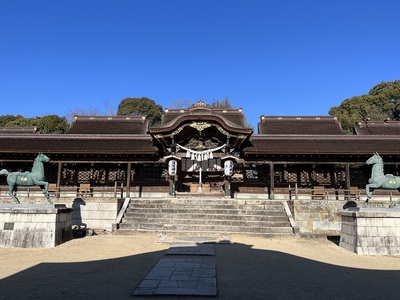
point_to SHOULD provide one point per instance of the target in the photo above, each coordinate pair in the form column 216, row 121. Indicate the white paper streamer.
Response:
column 200, row 155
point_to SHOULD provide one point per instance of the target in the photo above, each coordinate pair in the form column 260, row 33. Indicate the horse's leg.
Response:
column 12, row 192
column 368, row 190
column 393, row 204
column 45, row 190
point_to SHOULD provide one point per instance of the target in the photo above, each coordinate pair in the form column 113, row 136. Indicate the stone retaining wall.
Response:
column 322, row 217
column 88, row 212
column 34, row 226
column 312, row 217
column 317, row 217
column 371, row 231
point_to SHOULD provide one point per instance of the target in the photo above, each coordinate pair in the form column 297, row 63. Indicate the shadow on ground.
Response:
column 275, row 275
column 242, row 273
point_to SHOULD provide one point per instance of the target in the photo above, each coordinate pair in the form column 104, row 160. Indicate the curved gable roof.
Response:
column 231, row 119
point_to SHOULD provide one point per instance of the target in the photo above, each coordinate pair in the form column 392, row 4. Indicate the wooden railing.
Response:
column 84, row 190
column 327, row 193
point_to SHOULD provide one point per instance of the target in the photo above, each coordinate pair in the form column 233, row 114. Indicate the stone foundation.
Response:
column 317, row 217
column 371, row 231
column 34, row 225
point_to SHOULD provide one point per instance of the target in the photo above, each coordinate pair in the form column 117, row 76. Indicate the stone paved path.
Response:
column 200, row 249
column 182, row 275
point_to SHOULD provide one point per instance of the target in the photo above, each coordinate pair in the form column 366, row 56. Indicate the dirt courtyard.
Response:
column 112, row 266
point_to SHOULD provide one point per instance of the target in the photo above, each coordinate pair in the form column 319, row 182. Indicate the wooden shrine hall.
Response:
column 202, row 150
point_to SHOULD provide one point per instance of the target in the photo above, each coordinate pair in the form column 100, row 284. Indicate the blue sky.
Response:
column 269, row 57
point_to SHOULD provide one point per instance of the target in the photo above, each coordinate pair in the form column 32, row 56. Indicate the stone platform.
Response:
column 371, row 231
column 184, row 275
column 34, row 225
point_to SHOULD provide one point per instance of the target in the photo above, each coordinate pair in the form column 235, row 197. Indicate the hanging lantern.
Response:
column 172, row 166
column 228, row 168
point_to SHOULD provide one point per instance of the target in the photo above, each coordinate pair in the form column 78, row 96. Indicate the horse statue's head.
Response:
column 38, row 160
column 374, row 159
column 42, row 157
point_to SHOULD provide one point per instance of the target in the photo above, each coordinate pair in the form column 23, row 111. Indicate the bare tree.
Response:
column 181, row 103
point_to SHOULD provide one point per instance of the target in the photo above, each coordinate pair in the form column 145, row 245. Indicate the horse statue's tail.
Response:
column 4, row 172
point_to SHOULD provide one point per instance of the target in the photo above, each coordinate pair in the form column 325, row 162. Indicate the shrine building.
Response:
column 105, row 165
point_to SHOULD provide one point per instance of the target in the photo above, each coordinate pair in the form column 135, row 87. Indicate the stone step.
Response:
column 205, row 206
column 158, row 201
column 159, row 216
column 200, row 215
column 205, row 228
column 207, row 211
column 241, row 222
column 200, row 233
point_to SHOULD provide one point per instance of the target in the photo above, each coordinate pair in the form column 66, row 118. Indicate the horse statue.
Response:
column 35, row 177
column 379, row 179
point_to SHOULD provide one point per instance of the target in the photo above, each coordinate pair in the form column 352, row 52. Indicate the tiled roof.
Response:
column 143, row 144
column 323, row 144
column 77, row 144
column 299, row 125
column 18, row 130
column 377, row 128
column 108, row 125
column 233, row 117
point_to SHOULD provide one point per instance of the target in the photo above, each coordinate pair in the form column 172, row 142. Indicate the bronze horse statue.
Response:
column 379, row 179
column 35, row 177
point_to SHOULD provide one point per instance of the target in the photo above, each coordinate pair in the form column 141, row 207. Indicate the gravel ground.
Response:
column 111, row 267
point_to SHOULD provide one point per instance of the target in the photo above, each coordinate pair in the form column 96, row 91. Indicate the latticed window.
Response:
column 84, row 175
column 279, row 174
column 255, row 173
column 339, row 178
column 251, row 175
column 117, row 175
column 153, row 173
column 357, row 176
column 391, row 169
column 96, row 175
column 68, row 176
column 321, row 176
column 50, row 171
column 308, row 175
column 290, row 175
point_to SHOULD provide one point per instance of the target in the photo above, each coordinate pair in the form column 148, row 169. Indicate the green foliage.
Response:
column 387, row 95
column 46, row 124
column 21, row 121
column 53, row 124
column 4, row 120
column 141, row 107
column 382, row 102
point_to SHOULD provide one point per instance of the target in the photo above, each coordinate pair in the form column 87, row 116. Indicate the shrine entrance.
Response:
column 197, row 142
column 204, row 176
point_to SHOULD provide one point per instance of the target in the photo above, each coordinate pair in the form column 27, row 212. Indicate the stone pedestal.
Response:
column 34, row 225
column 371, row 231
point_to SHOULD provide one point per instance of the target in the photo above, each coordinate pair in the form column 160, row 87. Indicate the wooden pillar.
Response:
column 128, row 179
column 59, row 170
column 298, row 175
column 332, row 176
column 347, row 170
column 272, row 180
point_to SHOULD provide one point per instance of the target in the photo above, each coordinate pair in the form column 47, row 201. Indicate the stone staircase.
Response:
column 200, row 215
